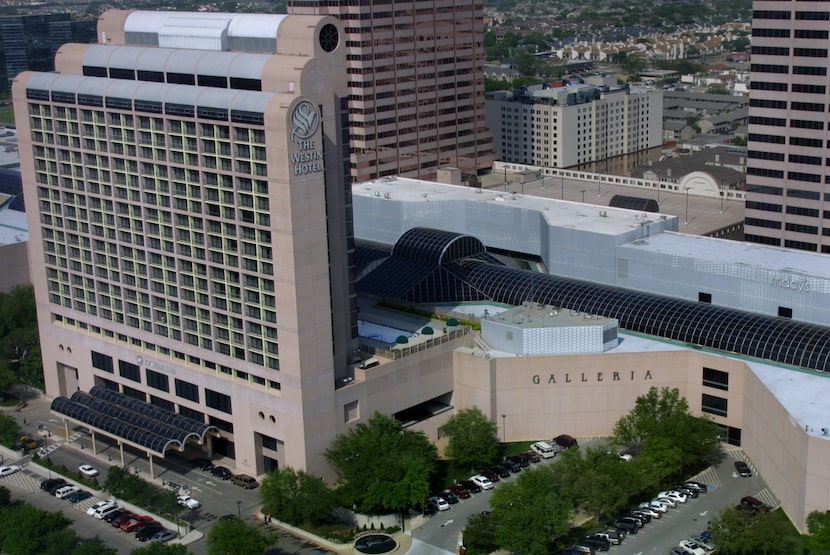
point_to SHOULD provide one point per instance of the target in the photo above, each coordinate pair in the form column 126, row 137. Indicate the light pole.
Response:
column 599, row 194
column 721, row 197
column 583, row 196
column 239, row 509
column 686, row 220
column 563, row 185
column 504, row 428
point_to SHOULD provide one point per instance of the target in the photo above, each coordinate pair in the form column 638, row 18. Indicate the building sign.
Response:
column 796, row 284
column 305, row 122
column 593, row 377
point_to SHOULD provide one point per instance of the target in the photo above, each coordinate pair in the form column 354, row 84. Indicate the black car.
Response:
column 627, row 525
column 645, row 517
column 690, row 492
column 697, row 486
column 743, row 469
column 512, row 466
column 501, row 471
column 147, row 531
column 612, row 535
column 449, row 497
column 115, row 514
column 78, row 496
column 221, row 472
column 48, row 485
column 521, row 460
column 470, row 486
column 597, row 543
column 201, row 463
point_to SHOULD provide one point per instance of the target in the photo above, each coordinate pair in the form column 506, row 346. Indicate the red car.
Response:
column 135, row 522
column 531, row 456
column 459, row 491
column 121, row 519
column 490, row 475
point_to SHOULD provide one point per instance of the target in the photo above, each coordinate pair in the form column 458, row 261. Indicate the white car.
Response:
column 439, row 503
column 676, row 495
column 187, row 501
column 482, row 481
column 667, row 501
column 66, row 490
column 692, row 547
column 655, row 506
column 88, row 471
column 650, row 511
column 8, row 470
column 100, row 507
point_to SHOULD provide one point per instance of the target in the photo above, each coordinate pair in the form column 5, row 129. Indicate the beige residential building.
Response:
column 416, row 85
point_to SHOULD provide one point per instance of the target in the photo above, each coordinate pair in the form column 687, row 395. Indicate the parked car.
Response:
column 545, row 450
column 689, row 492
column 8, row 470
column 676, row 495
column 489, row 474
column 27, row 442
column 753, row 505
column 642, row 520
column 654, row 505
column 88, row 470
column 743, row 469
column 187, row 501
column 438, row 503
column 650, row 511
column 698, row 486
column 629, row 526
column 565, row 441
column 501, row 471
column 48, row 484
column 471, row 486
column 116, row 514
column 532, row 457
column 163, row 536
column 66, row 490
column 692, row 548
column 668, row 501
column 122, row 517
column 519, row 459
column 482, row 481
column 448, row 497
column 99, row 506
column 201, row 463
column 641, row 514
column 78, row 496
column 597, row 543
column 613, row 535
column 706, row 544
column 221, row 472
column 583, row 549
column 147, row 530
column 132, row 524
column 511, row 465
column 460, row 491
column 103, row 513
column 245, row 481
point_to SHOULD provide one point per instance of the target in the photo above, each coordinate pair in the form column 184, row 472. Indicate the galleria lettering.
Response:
column 586, row 377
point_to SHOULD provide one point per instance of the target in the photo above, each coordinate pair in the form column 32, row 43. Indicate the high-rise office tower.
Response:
column 190, row 228
column 416, row 85
column 788, row 180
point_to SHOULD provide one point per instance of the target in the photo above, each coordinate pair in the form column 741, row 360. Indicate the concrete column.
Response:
column 94, row 448
column 152, row 472
column 121, row 449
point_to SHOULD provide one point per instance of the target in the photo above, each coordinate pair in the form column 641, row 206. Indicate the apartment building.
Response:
column 787, row 170
column 416, row 85
column 190, row 227
column 567, row 125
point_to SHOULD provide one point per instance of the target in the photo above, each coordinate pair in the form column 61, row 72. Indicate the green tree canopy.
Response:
column 296, row 497
column 380, row 466
column 665, row 433
column 93, row 547
column 472, row 438
column 529, row 514
column 818, row 540
column 234, row 537
column 158, row 548
column 20, row 360
column 737, row 532
column 27, row 530
column 479, row 536
column 9, row 431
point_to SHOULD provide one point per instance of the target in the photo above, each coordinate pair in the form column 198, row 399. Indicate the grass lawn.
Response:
column 6, row 115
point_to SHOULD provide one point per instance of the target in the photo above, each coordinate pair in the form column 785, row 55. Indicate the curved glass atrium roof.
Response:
column 481, row 277
column 132, row 420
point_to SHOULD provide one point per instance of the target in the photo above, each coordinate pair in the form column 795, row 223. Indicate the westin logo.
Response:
column 304, row 121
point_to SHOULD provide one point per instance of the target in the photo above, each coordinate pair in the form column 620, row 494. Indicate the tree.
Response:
column 157, row 548
column 93, row 547
column 45, row 533
column 380, row 466
column 663, row 430
column 818, row 540
column 738, row 532
column 234, row 536
column 472, row 438
column 529, row 514
column 9, row 431
column 479, row 537
column 295, row 497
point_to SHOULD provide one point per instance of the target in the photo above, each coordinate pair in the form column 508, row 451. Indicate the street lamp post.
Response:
column 504, row 428
column 563, row 185
column 686, row 220
column 239, row 509
column 599, row 194
column 721, row 197
column 583, row 196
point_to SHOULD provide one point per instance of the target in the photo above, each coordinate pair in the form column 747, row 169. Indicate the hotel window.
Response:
column 187, row 390
column 157, row 380
column 218, row 401
column 129, row 371
column 713, row 405
column 351, row 411
column 716, row 378
column 102, row 362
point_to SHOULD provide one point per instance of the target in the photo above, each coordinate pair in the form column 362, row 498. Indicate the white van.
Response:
column 545, row 449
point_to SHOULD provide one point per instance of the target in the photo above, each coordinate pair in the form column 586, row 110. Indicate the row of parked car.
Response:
column 223, row 473
column 637, row 518
column 143, row 526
